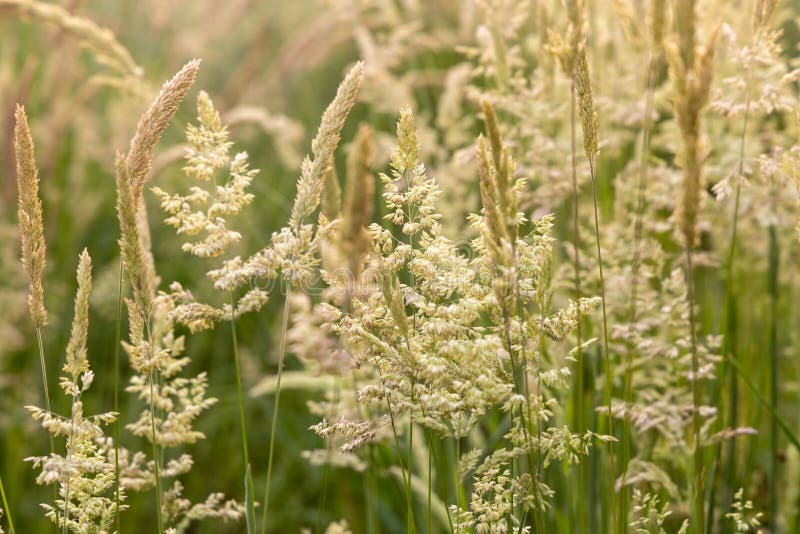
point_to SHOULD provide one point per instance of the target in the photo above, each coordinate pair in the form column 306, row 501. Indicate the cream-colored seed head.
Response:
column 30, row 216
column 77, row 360
column 587, row 110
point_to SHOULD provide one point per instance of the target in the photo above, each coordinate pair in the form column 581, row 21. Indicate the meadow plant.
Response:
column 558, row 225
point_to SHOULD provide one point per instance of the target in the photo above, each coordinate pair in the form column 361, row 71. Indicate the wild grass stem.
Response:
column 275, row 409
column 6, row 508
column 248, row 477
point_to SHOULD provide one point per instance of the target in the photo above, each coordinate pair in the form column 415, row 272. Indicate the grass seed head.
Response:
column 30, row 216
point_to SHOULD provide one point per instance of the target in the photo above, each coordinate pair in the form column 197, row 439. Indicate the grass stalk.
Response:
column 579, row 364
column 6, row 508
column 772, row 285
column 248, row 478
column 409, row 511
column 155, row 454
column 406, row 475
column 698, row 493
column 729, row 335
column 430, row 484
column 606, row 354
column 275, row 409
column 117, row 343
column 43, row 365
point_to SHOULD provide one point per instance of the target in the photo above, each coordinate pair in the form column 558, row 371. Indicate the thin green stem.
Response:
column 248, row 477
column 756, row 391
column 43, row 365
column 117, row 343
column 456, row 480
column 698, row 512
column 6, row 507
column 579, row 364
column 729, row 336
column 275, row 409
column 430, row 483
column 406, row 476
column 772, row 284
column 155, row 454
column 409, row 511
column 606, row 354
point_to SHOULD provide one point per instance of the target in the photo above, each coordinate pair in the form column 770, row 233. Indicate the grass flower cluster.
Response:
column 535, row 274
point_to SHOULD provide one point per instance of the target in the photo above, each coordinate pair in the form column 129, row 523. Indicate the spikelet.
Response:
column 686, row 25
column 30, row 217
column 500, row 178
column 587, row 110
column 500, row 205
column 405, row 156
column 658, row 21
column 313, row 171
column 131, row 173
column 764, row 11
column 77, row 362
column 358, row 199
column 332, row 196
column 692, row 84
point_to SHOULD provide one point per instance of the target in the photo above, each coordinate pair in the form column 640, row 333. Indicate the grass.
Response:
column 465, row 361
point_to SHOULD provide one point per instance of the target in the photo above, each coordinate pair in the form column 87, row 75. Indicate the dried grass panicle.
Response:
column 332, row 195
column 658, row 21
column 77, row 361
column 313, row 171
column 30, row 216
column 692, row 84
column 498, row 194
column 131, row 247
column 358, row 195
column 153, row 123
column 587, row 110
column 131, row 173
column 101, row 41
column 764, row 11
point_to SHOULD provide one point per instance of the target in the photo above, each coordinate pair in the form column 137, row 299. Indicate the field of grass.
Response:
column 464, row 266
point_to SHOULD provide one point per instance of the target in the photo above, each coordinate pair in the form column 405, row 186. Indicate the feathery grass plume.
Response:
column 357, row 207
column 692, row 84
column 313, row 171
column 101, row 41
column 131, row 174
column 153, row 123
column 587, row 110
column 146, row 335
column 85, row 475
column 332, row 196
column 30, row 217
column 77, row 360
